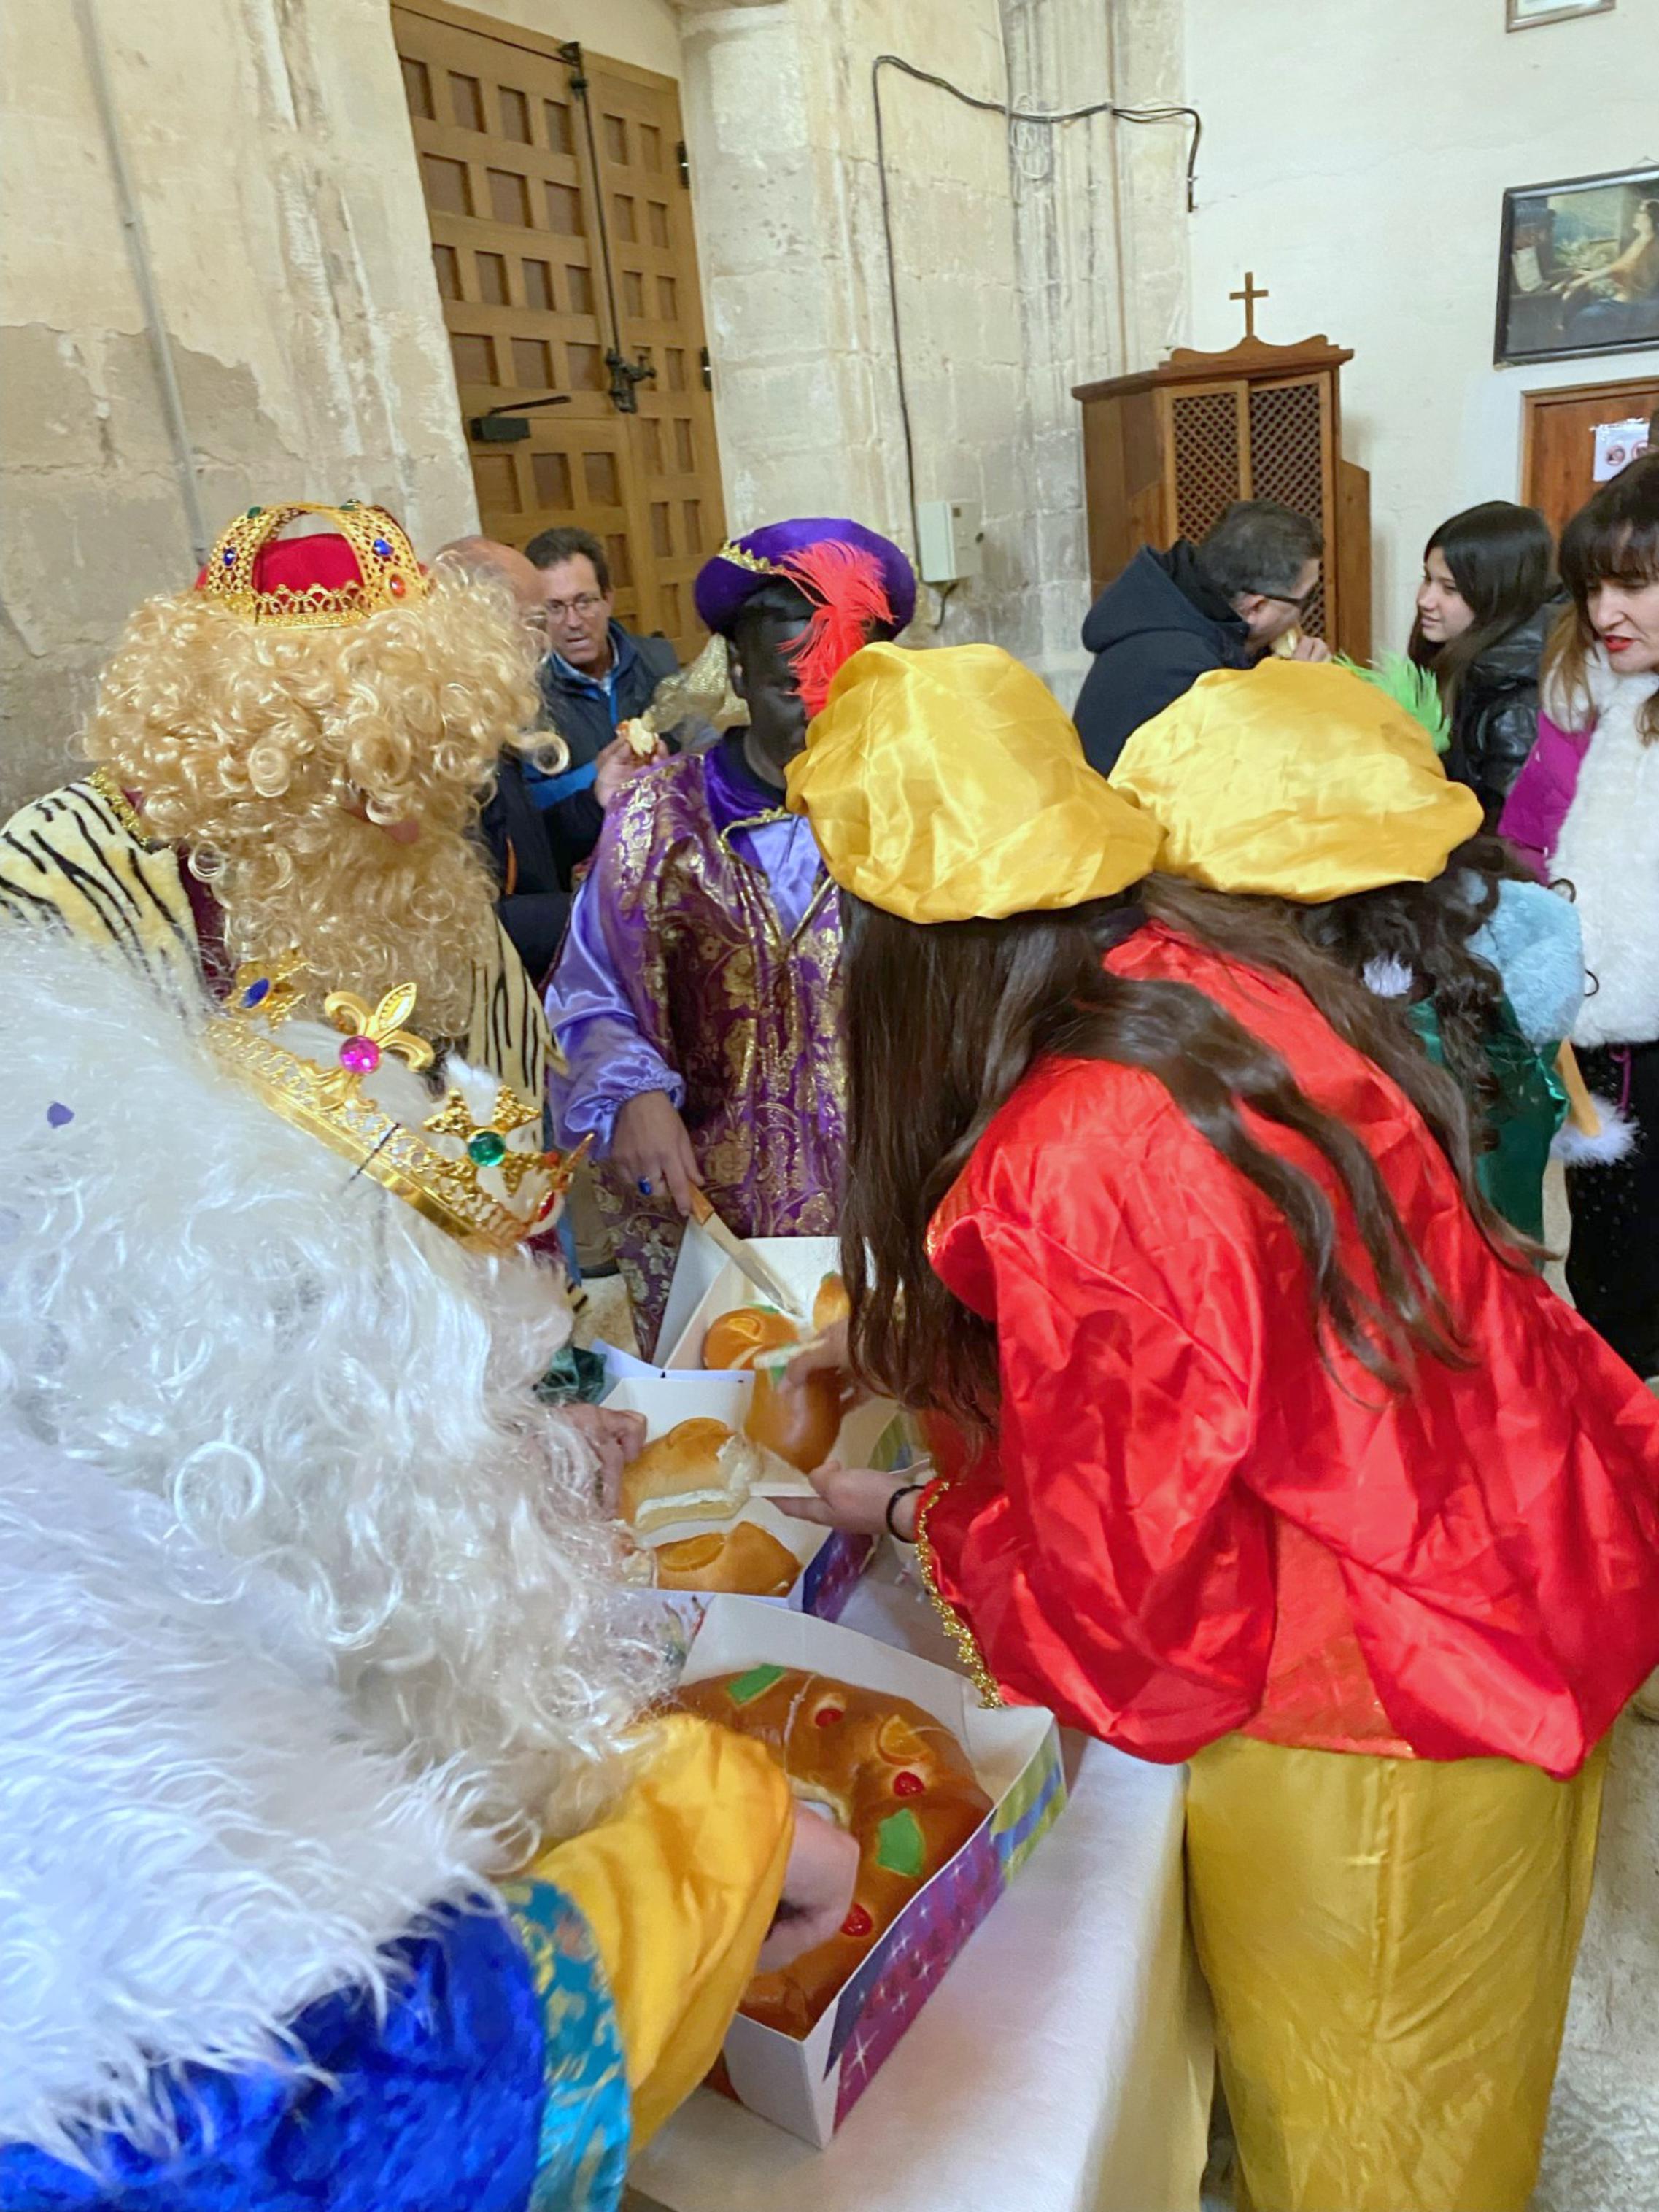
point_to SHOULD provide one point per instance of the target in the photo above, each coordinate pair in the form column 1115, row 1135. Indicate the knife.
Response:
column 743, row 1256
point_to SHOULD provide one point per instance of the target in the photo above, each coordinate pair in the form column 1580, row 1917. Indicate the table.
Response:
column 1064, row 2064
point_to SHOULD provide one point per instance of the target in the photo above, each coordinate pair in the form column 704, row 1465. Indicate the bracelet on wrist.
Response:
column 907, row 1490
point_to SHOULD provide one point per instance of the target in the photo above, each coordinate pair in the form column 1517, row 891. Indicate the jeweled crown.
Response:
column 380, row 569
column 472, row 1166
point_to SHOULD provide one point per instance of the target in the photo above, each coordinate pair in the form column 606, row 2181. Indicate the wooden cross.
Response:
column 1249, row 295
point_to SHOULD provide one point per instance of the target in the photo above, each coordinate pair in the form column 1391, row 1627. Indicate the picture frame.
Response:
column 1533, row 15
column 1579, row 268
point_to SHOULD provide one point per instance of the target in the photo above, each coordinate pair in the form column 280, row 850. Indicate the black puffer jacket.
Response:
column 1495, row 721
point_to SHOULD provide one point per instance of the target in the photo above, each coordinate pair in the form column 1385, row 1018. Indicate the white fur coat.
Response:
column 196, row 1839
column 1609, row 853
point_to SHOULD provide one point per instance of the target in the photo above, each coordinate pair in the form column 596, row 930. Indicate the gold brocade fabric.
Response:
column 948, row 784
column 1296, row 781
column 1390, row 1944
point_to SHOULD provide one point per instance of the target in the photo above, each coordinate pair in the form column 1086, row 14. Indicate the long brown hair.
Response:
column 1614, row 539
column 1429, row 929
column 1502, row 559
column 944, row 1021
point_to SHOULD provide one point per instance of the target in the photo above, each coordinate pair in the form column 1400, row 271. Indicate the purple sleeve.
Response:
column 1537, row 806
column 596, row 1028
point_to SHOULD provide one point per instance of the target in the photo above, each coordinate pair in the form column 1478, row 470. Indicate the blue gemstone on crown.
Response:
column 258, row 992
column 383, row 548
column 229, row 556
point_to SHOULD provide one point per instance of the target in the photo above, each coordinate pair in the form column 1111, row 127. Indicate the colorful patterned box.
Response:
column 808, row 2088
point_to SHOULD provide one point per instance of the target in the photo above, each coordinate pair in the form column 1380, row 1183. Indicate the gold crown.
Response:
column 438, row 1169
column 388, row 574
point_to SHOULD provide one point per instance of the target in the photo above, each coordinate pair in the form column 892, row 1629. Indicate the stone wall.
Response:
column 270, row 155
column 1010, row 248
column 272, row 167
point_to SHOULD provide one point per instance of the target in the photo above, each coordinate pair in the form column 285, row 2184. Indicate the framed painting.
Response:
column 1579, row 269
column 1526, row 15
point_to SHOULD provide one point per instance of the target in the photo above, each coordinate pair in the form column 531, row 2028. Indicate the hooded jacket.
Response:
column 1154, row 631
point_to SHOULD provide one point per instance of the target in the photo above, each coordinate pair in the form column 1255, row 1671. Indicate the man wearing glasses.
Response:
column 596, row 675
column 1171, row 618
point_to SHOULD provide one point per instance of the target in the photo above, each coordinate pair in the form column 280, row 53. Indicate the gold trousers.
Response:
column 1390, row 1944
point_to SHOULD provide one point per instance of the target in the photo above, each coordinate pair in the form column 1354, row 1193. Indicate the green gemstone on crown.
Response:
column 755, row 1683
column 901, row 1847
column 487, row 1149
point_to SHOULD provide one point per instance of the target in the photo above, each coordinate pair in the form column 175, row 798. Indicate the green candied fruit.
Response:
column 755, row 1684
column 900, row 1848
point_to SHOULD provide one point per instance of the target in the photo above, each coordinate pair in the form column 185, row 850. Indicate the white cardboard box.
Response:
column 875, row 1434
column 809, row 2087
column 830, row 1560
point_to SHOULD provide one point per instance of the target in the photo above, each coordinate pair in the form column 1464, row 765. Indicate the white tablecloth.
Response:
column 1064, row 2064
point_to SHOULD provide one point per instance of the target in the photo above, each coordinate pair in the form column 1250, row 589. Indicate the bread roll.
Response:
column 689, row 1475
column 879, row 1766
column 799, row 1421
column 745, row 1561
column 733, row 1339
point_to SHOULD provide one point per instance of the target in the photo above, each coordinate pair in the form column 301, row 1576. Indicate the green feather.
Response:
column 1411, row 688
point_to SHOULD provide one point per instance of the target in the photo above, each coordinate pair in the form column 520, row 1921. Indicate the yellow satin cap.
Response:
column 947, row 784
column 1296, row 778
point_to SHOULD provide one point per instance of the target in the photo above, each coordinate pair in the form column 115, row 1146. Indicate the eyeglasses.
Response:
column 1283, row 598
column 574, row 609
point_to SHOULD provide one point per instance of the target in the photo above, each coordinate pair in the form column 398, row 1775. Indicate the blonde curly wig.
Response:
column 272, row 755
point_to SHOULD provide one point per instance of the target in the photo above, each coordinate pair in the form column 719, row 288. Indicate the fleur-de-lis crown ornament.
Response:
column 460, row 1166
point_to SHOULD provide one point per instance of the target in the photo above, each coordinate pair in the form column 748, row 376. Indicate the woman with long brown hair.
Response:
column 1254, row 1447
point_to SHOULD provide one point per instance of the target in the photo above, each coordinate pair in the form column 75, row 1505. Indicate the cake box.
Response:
column 876, row 1433
column 809, row 2087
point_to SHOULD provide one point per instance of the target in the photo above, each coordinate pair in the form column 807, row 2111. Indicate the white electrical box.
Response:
column 949, row 533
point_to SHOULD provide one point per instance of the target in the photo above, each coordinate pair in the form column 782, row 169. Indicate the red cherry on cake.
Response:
column 908, row 1785
column 857, row 1925
column 827, row 1715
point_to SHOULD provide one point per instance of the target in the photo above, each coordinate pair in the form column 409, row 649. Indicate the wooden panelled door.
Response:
column 1559, row 474
column 562, row 241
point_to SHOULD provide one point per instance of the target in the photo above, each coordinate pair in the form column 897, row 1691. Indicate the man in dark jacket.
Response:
column 596, row 676
column 1171, row 618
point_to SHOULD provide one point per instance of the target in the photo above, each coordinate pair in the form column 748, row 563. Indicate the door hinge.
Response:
column 707, row 371
column 685, row 166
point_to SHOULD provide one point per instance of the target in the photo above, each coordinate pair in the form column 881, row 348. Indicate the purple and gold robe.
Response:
column 702, row 961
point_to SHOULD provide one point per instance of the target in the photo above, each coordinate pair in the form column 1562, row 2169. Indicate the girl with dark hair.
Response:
column 1253, row 1443
column 1483, row 610
column 1587, row 809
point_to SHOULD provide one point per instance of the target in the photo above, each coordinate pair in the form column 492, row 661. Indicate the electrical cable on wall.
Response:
column 1011, row 115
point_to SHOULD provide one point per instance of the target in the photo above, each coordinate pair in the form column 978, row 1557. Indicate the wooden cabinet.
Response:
column 1165, row 452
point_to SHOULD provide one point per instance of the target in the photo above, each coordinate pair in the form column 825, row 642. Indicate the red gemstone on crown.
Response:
column 857, row 1924
column 908, row 1785
column 359, row 1055
column 396, row 586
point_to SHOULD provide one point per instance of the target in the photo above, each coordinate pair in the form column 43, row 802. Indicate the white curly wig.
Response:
column 209, row 1306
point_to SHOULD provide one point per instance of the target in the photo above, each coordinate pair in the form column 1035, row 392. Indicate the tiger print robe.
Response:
column 79, row 858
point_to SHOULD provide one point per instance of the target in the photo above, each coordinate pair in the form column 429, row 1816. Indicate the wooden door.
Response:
column 1558, row 471
column 561, row 238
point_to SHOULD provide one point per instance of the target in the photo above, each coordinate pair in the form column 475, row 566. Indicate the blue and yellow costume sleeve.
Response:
column 678, row 1889
column 518, row 2061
